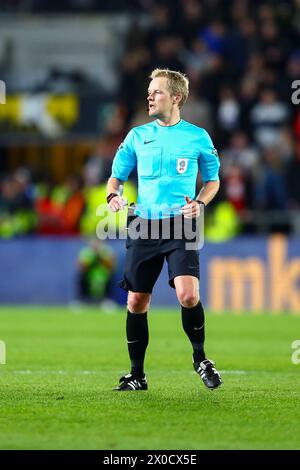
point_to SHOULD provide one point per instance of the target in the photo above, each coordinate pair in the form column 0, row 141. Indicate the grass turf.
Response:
column 55, row 390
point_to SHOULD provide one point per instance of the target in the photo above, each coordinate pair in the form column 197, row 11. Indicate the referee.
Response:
column 168, row 153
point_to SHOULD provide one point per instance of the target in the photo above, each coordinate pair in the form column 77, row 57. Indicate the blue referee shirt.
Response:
column 168, row 159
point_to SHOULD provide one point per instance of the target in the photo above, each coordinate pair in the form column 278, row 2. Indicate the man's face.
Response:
column 159, row 99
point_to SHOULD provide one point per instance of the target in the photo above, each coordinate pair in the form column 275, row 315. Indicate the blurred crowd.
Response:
column 73, row 6
column 44, row 208
column 242, row 58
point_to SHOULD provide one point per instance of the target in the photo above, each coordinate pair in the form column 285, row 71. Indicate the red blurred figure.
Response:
column 61, row 216
column 235, row 188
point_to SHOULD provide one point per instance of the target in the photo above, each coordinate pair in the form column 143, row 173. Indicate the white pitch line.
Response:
column 56, row 372
column 95, row 372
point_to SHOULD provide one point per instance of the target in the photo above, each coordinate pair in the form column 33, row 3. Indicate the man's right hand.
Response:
column 117, row 203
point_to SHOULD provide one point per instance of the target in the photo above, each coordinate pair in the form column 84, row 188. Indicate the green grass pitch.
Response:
column 55, row 388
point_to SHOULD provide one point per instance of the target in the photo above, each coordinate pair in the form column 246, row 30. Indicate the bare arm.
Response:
column 206, row 194
column 116, row 203
column 208, row 191
column 113, row 185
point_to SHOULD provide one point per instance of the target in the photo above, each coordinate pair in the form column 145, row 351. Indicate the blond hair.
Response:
column 177, row 82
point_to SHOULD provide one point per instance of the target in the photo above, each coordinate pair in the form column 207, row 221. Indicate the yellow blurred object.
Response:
column 64, row 108
column 223, row 224
column 12, row 109
column 96, row 196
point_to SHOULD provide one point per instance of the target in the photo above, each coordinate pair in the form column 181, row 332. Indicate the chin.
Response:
column 152, row 113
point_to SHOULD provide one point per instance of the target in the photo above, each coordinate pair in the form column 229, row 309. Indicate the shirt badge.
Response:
column 182, row 164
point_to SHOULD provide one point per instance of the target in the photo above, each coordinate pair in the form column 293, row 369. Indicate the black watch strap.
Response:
column 199, row 202
column 110, row 197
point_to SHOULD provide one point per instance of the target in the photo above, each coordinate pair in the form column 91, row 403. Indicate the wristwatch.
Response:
column 110, row 197
column 199, row 202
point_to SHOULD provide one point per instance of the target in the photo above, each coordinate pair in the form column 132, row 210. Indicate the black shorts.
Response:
column 145, row 259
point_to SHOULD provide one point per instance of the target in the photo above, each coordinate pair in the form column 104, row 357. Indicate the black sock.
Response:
column 193, row 325
column 137, row 341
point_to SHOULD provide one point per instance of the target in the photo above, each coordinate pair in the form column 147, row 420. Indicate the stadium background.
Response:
column 76, row 73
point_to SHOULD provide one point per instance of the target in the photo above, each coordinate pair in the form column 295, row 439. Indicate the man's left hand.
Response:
column 191, row 209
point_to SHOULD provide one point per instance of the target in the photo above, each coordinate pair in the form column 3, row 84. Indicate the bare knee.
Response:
column 188, row 298
column 138, row 302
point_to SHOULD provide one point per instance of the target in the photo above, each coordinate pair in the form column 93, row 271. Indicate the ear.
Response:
column 177, row 98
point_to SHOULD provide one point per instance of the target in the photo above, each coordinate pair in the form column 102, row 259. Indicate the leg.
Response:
column 187, row 291
column 137, row 330
column 138, row 302
column 184, row 276
column 142, row 267
column 137, row 340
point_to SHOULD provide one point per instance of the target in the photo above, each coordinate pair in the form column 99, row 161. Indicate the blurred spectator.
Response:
column 16, row 208
column 59, row 210
column 22, row 177
column 241, row 42
column 96, row 265
column 271, row 189
column 133, row 73
column 297, row 126
column 235, row 187
column 190, row 20
column 73, row 207
column 167, row 53
column 286, row 143
column 161, row 23
column 293, row 179
column 49, row 212
column 255, row 67
column 196, row 59
column 228, row 110
column 267, row 116
column 213, row 36
column 274, row 45
column 213, row 79
column 98, row 164
column 242, row 153
column 198, row 111
column 247, row 98
column 293, row 66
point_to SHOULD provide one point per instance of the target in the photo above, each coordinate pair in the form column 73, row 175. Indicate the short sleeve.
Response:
column 209, row 162
column 125, row 159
